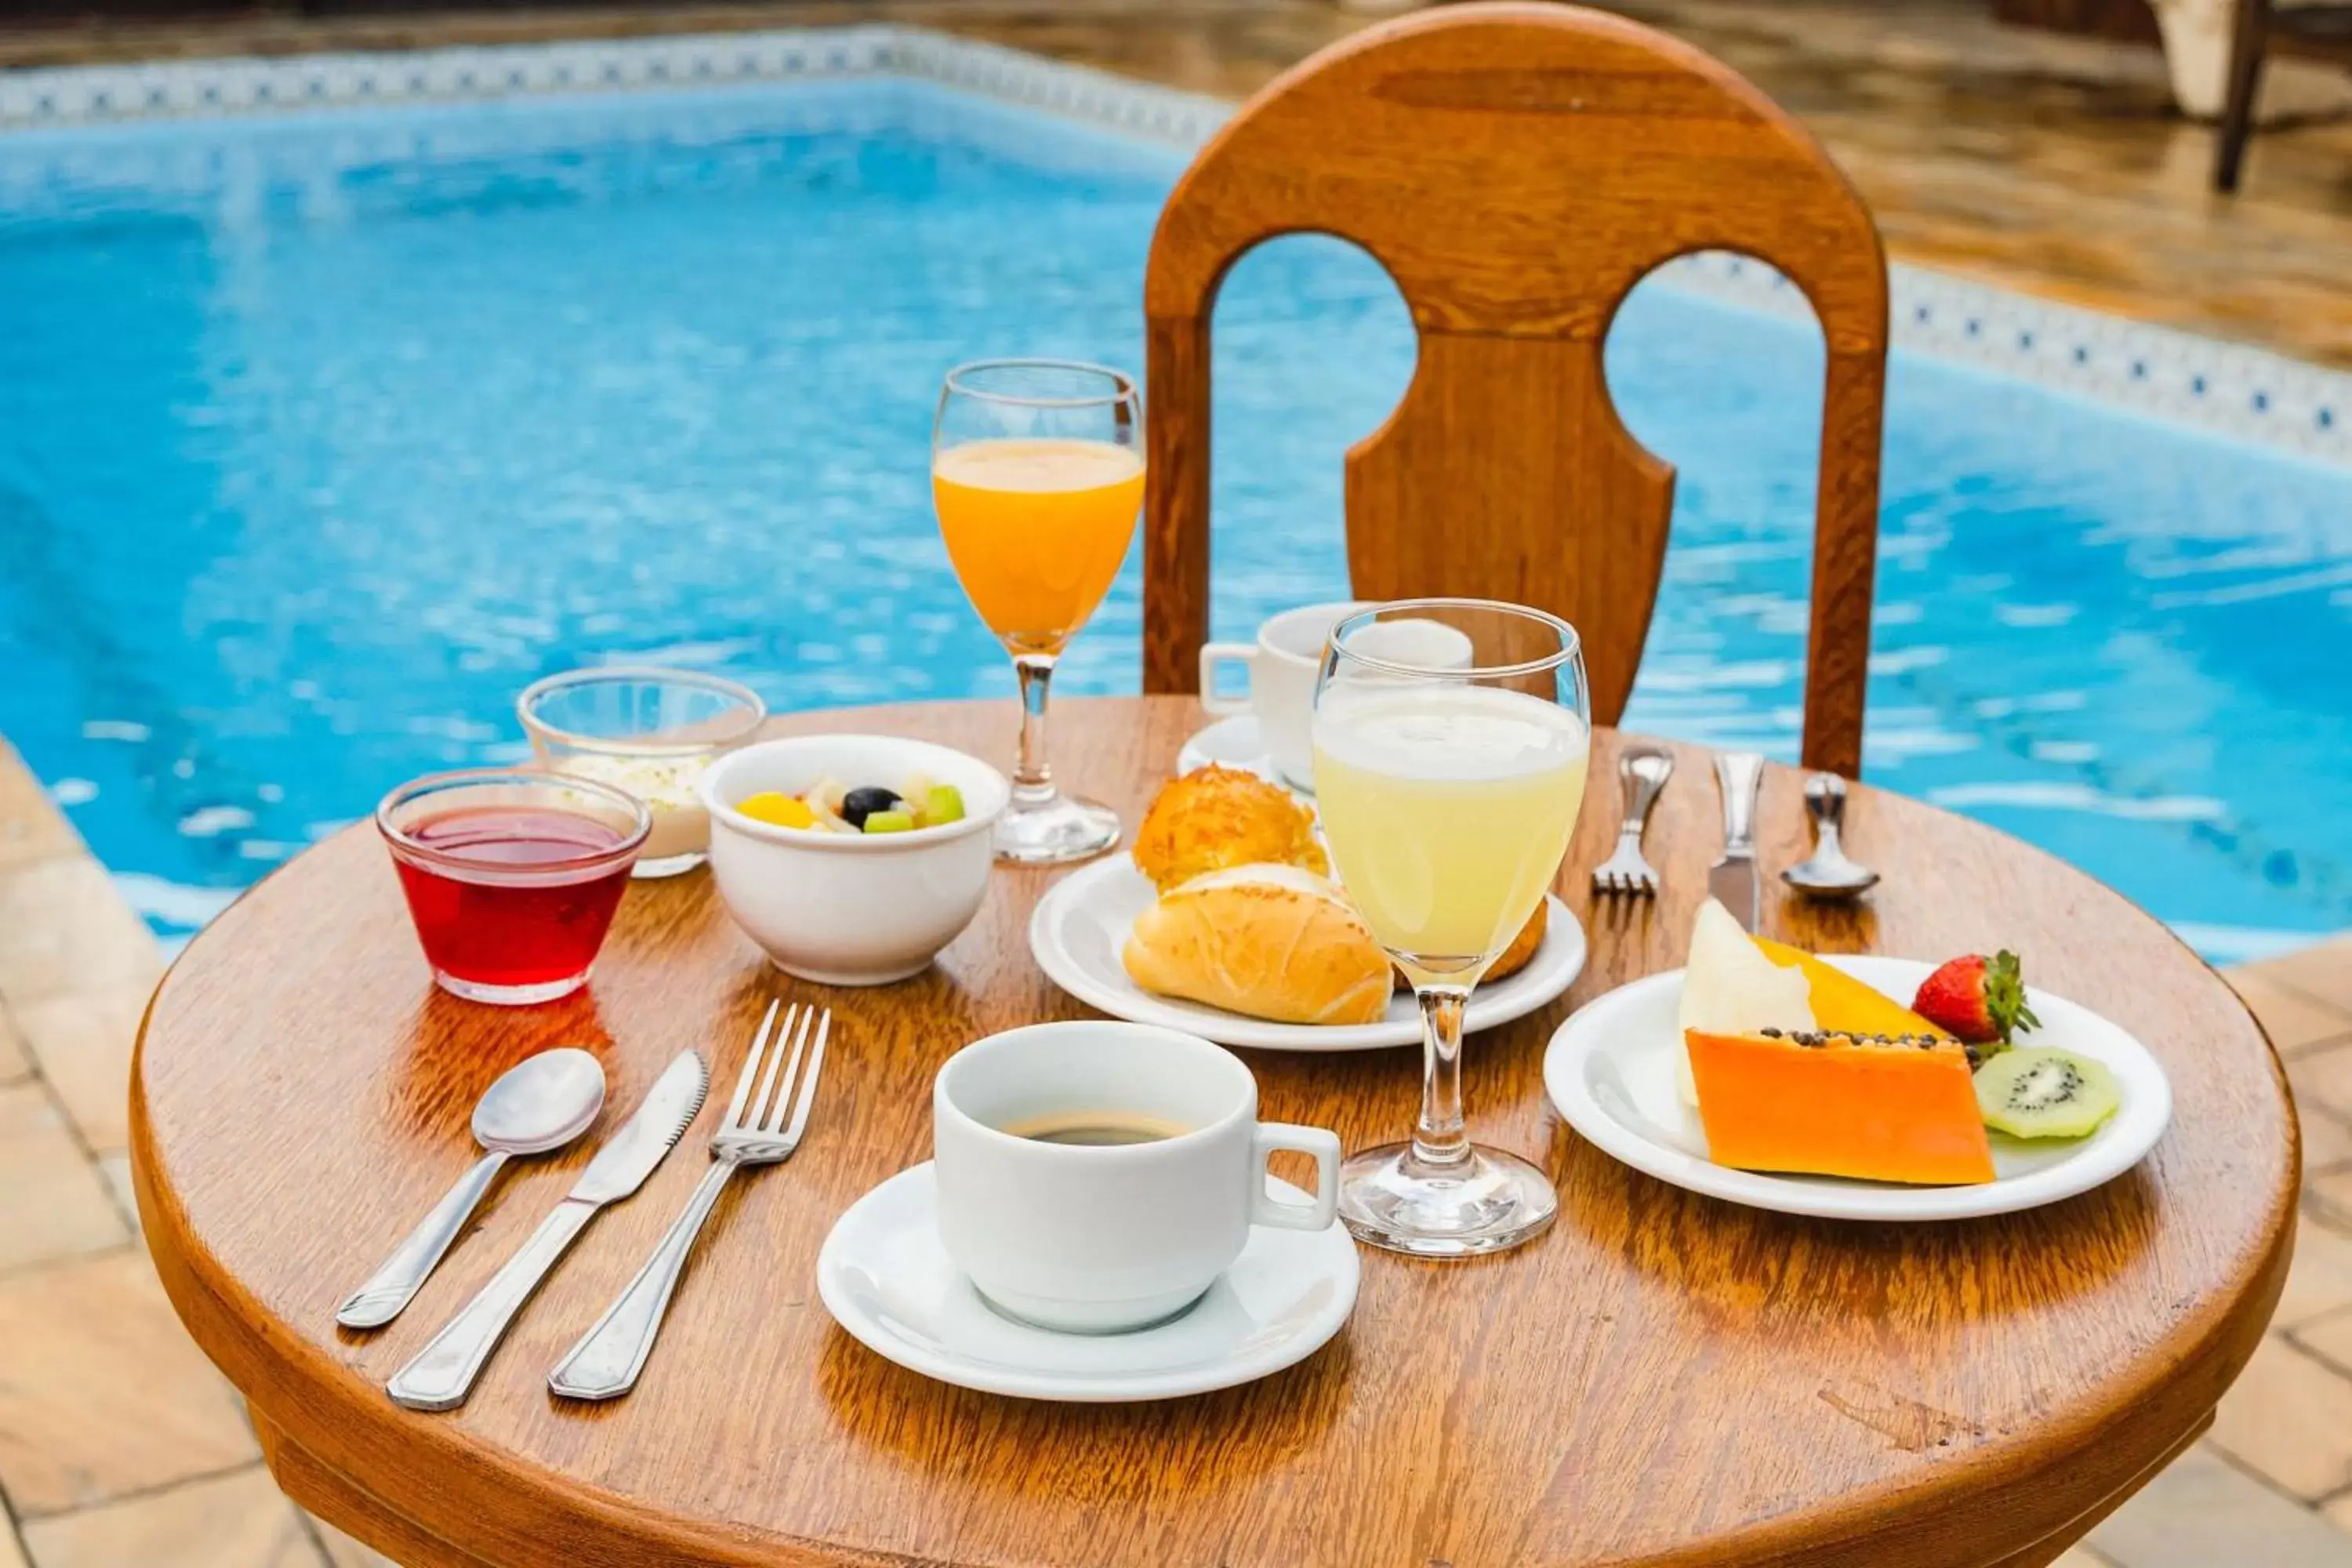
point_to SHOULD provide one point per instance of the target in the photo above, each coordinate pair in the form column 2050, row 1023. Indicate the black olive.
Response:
column 860, row 804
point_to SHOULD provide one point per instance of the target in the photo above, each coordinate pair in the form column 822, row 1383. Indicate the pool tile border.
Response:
column 2220, row 388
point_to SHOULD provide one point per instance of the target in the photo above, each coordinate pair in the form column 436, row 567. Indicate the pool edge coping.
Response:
column 2233, row 391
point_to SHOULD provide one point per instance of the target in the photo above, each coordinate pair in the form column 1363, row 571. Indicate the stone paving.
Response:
column 120, row 1445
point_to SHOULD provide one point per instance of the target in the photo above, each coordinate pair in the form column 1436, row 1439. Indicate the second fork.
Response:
column 606, row 1361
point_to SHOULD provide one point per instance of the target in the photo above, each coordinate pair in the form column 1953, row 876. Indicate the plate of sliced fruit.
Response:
column 1855, row 1086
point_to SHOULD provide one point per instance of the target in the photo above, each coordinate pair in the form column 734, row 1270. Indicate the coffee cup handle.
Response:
column 1323, row 1147
column 1213, row 655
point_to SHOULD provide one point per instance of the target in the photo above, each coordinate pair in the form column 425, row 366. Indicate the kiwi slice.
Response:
column 2040, row 1091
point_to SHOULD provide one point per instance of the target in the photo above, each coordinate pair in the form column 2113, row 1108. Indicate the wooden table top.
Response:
column 1661, row 1379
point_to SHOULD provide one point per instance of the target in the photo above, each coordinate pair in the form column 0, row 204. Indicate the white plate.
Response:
column 886, row 1279
column 1611, row 1071
column 1081, row 926
column 1234, row 744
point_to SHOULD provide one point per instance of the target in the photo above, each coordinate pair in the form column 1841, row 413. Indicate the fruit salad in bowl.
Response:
column 852, row 859
column 832, row 806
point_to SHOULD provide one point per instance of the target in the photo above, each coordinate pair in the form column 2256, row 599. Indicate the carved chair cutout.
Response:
column 1518, row 168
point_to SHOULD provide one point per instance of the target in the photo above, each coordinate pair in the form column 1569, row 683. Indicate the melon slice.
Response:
column 1840, row 1103
column 1841, row 1002
column 1731, row 986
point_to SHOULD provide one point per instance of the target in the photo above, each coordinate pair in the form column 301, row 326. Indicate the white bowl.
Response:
column 850, row 908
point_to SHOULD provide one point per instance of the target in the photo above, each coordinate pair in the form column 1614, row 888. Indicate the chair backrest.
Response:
column 1518, row 168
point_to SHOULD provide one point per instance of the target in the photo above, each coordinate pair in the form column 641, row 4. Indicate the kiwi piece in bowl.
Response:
column 2040, row 1091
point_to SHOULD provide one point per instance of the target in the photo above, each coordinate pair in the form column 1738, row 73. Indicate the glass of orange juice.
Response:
column 1038, row 472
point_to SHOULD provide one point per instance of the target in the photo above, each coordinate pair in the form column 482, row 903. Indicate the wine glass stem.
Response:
column 1440, row 1138
column 1033, row 777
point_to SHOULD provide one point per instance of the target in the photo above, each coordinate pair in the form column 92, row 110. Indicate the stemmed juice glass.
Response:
column 1037, row 473
column 1448, row 791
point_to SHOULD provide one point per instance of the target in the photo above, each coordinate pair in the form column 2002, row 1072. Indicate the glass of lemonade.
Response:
column 1038, row 472
column 1448, row 791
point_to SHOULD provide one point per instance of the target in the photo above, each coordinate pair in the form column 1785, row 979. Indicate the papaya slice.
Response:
column 1879, row 1107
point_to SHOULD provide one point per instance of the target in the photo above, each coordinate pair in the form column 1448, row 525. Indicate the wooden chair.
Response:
column 1518, row 168
column 2323, row 31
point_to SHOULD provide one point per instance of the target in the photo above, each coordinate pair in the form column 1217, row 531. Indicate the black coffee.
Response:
column 1096, row 1129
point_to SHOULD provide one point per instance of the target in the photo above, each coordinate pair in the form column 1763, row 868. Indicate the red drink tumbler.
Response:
column 512, row 876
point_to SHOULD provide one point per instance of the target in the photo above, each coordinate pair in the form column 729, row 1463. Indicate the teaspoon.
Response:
column 540, row 1104
column 1828, row 872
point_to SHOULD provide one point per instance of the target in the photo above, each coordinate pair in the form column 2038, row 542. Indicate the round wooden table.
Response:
column 1661, row 1379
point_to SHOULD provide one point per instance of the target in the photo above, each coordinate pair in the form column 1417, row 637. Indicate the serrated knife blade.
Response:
column 1732, row 881
column 669, row 1108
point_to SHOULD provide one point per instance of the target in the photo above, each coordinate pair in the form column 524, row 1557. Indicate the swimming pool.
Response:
column 320, row 435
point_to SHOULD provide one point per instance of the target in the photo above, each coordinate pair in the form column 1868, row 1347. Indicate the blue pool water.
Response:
column 319, row 437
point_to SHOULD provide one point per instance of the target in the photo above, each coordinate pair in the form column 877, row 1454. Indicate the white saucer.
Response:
column 1235, row 743
column 1611, row 1071
column 1081, row 925
column 886, row 1279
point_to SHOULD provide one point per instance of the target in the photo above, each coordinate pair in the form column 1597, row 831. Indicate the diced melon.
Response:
column 1729, row 985
column 775, row 808
column 1877, row 1112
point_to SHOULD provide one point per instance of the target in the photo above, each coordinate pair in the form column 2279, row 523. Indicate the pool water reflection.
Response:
column 322, row 436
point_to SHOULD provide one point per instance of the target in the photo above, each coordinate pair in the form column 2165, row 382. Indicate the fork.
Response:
column 606, row 1361
column 1642, row 772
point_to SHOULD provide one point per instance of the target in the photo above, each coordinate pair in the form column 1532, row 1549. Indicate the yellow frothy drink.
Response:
column 1448, row 808
column 1036, row 530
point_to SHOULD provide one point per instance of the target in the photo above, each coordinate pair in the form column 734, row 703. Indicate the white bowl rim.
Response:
column 722, row 811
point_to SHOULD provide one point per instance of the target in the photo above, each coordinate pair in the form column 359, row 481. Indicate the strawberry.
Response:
column 1978, row 999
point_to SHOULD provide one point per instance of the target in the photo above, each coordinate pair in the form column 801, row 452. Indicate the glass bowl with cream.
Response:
column 647, row 730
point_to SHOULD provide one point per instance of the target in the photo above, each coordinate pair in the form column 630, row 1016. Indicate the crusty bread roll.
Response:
column 1213, row 818
column 1270, row 942
column 1514, row 958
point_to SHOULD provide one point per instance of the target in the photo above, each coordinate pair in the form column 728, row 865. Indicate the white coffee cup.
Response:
column 1283, row 662
column 1103, row 1237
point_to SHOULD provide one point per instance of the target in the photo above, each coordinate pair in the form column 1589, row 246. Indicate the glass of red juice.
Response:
column 512, row 876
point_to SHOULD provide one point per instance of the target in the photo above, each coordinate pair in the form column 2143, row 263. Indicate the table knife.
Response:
column 441, row 1374
column 1732, row 879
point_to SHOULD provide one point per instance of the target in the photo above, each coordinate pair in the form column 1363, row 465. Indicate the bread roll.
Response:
column 1514, row 958
column 1213, row 818
column 1266, row 941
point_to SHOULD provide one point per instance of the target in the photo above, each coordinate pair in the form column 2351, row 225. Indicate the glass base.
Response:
column 509, row 995
column 1057, row 828
column 668, row 866
column 1488, row 1203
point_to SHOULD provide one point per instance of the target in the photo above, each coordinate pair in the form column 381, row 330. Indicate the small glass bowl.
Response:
column 511, row 876
column 650, row 731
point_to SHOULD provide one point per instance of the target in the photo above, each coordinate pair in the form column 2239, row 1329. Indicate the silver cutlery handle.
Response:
column 1738, row 774
column 392, row 1287
column 1641, row 774
column 1825, row 803
column 442, row 1374
column 605, row 1364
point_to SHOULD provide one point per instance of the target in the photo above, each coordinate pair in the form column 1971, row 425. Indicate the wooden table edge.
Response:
column 335, row 1498
column 360, row 1434
column 1864, row 1531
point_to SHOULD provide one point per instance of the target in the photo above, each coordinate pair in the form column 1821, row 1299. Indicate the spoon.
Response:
column 1828, row 873
column 540, row 1104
